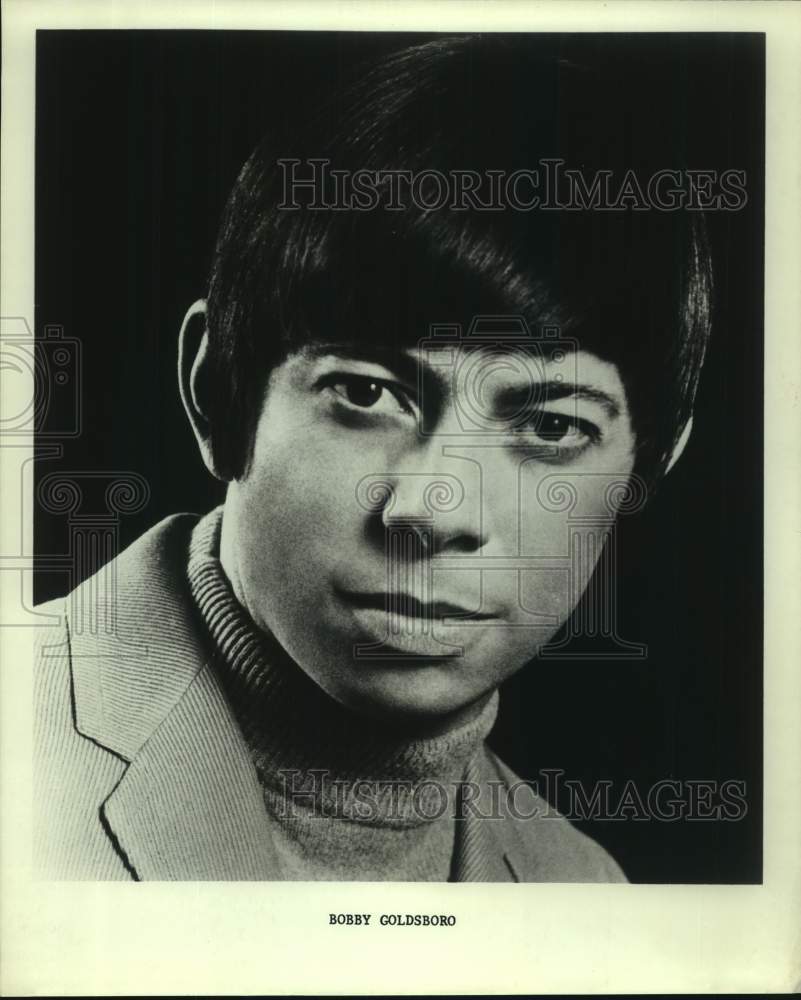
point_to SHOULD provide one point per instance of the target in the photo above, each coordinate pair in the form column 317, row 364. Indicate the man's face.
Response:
column 402, row 530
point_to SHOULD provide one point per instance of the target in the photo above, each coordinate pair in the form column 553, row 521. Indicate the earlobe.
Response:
column 193, row 346
column 681, row 444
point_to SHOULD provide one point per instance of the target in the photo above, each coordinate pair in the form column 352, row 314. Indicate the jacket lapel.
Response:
column 189, row 805
column 483, row 849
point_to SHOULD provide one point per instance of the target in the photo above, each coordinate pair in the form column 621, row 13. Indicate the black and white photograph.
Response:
column 439, row 522
column 396, row 501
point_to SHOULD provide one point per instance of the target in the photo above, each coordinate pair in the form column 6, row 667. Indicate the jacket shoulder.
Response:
column 544, row 846
column 101, row 686
column 135, row 644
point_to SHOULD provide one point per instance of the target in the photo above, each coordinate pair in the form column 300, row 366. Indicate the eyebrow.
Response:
column 415, row 372
column 550, row 391
column 404, row 365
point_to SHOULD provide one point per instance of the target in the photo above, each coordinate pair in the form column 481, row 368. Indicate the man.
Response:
column 399, row 389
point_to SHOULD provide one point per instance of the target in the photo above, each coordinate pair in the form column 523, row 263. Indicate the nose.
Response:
column 438, row 496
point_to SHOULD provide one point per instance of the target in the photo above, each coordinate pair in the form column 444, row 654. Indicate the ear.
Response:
column 681, row 444
column 193, row 348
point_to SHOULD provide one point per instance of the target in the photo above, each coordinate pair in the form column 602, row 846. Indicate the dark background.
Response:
column 139, row 137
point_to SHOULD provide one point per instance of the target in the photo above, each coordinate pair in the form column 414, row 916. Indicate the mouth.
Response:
column 399, row 625
column 408, row 606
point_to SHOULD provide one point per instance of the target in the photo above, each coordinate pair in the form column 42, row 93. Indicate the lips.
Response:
column 411, row 607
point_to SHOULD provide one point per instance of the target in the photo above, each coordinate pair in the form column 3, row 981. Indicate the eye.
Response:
column 555, row 427
column 367, row 393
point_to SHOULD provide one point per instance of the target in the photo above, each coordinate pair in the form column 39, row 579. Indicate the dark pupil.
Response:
column 363, row 392
column 553, row 426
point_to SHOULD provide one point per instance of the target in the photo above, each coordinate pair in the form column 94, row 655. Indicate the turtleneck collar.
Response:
column 304, row 741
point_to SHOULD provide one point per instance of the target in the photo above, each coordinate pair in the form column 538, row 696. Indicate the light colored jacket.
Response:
column 141, row 769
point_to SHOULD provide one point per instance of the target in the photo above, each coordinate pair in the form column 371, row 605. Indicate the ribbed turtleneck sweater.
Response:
column 346, row 796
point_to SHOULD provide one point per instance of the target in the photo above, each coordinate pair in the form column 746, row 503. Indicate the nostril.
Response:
column 465, row 543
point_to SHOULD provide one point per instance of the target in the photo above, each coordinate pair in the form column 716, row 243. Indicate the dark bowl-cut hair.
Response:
column 631, row 286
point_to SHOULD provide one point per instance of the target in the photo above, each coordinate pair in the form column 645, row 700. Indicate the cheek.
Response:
column 567, row 520
column 301, row 491
column 544, row 592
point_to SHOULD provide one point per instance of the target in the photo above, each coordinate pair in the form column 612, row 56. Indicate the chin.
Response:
column 412, row 697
